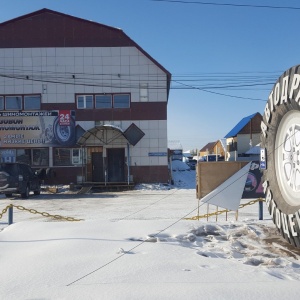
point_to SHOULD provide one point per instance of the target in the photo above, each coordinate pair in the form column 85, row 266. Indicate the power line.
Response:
column 205, row 82
column 110, row 85
column 221, row 94
column 229, row 4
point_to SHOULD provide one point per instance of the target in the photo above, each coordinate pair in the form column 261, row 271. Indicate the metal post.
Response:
column 207, row 212
column 261, row 209
column 10, row 215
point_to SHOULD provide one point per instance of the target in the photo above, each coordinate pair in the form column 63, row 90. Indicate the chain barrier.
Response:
column 58, row 217
column 44, row 214
column 224, row 211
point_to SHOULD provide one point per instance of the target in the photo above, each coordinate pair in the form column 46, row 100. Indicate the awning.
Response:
column 132, row 134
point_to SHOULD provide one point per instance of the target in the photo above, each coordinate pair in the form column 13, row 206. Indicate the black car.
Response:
column 192, row 164
column 18, row 178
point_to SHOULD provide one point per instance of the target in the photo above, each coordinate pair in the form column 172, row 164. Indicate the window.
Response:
column 103, row 101
column 121, row 101
column 20, row 102
column 32, row 102
column 85, row 101
column 1, row 103
column 13, row 103
column 24, row 156
column 68, row 157
column 40, row 157
column 78, row 156
column 62, row 157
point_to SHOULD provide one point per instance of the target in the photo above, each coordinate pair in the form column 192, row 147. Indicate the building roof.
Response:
column 48, row 28
column 208, row 146
column 239, row 126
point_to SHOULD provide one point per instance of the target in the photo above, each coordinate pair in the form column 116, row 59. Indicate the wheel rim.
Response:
column 287, row 157
column 63, row 133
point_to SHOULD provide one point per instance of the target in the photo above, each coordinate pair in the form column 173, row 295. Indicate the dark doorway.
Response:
column 115, row 165
column 97, row 165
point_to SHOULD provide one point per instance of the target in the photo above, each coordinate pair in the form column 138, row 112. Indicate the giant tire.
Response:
column 281, row 140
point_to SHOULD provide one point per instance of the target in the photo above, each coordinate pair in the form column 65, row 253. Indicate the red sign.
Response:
column 64, row 117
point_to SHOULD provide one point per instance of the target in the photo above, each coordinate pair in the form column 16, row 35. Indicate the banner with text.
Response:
column 37, row 128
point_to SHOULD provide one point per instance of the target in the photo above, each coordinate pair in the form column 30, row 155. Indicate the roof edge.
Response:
column 47, row 10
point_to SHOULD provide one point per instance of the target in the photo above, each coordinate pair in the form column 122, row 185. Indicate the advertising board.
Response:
column 37, row 128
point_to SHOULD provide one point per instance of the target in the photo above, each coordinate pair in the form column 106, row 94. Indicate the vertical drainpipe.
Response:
column 128, row 164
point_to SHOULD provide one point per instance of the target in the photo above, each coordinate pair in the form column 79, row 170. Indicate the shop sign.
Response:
column 37, row 128
column 157, row 154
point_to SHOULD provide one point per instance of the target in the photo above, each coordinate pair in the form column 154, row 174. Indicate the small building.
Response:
column 175, row 150
column 207, row 149
column 82, row 99
column 243, row 136
column 218, row 148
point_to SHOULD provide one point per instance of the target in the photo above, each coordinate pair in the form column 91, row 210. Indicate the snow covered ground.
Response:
column 140, row 244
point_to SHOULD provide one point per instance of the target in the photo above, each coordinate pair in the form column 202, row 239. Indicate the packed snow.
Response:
column 145, row 243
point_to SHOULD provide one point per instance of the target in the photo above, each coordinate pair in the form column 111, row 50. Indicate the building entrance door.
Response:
column 115, row 165
column 97, row 167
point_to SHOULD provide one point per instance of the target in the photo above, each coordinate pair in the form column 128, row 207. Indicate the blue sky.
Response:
column 208, row 49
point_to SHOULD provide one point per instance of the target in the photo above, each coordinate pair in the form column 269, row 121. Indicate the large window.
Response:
column 68, row 156
column 33, row 157
column 102, row 101
column 20, row 102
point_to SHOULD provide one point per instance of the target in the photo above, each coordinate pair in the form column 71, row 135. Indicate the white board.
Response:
column 228, row 194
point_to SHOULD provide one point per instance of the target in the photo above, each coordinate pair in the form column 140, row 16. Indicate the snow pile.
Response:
column 152, row 186
column 142, row 244
column 178, row 166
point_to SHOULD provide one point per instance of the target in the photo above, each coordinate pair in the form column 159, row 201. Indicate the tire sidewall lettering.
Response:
column 283, row 222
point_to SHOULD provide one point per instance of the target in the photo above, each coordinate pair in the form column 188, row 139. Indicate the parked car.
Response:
column 192, row 164
column 18, row 178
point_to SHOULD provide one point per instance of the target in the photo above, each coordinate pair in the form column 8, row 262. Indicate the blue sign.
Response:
column 157, row 153
column 263, row 165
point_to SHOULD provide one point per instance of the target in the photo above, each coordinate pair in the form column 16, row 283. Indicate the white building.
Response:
column 83, row 99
